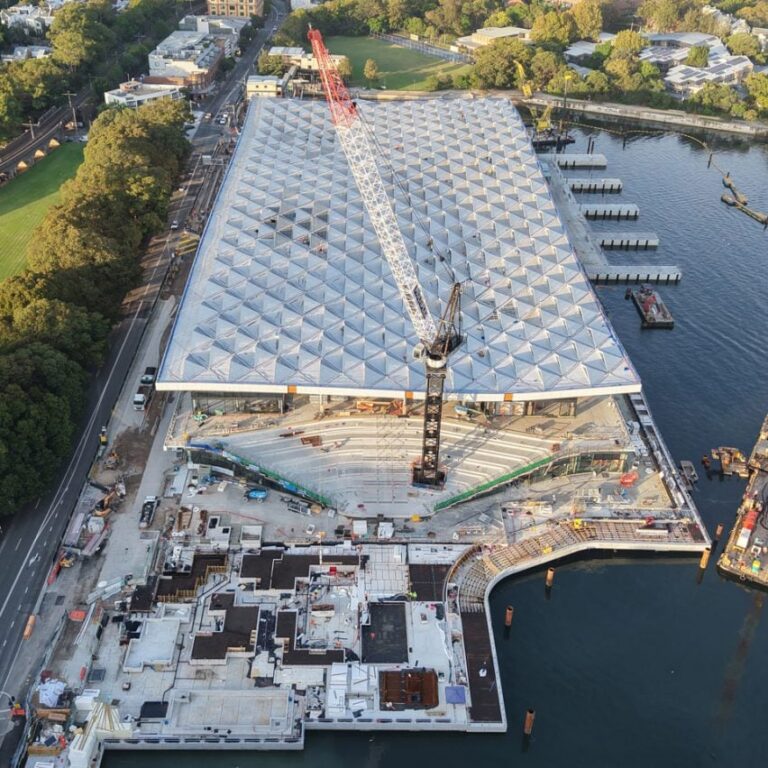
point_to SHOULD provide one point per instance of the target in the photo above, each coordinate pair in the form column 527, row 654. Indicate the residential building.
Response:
column 265, row 85
column 32, row 19
column 224, row 30
column 186, row 59
column 299, row 58
column 489, row 35
column 243, row 9
column 134, row 93
column 723, row 70
column 24, row 52
column 583, row 49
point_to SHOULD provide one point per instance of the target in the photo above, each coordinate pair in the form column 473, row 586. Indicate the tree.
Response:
column 77, row 36
column 371, row 71
column 755, row 15
column 496, row 65
column 555, row 28
column 344, row 68
column 627, row 44
column 757, row 87
column 698, row 56
column 742, row 44
column 544, row 66
column 41, row 394
column 597, row 82
column 71, row 329
column 662, row 15
column 713, row 99
column 588, row 16
column 397, row 13
column 270, row 65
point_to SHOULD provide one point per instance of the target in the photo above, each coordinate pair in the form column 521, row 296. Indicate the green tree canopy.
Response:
column 371, row 70
column 742, row 44
column 496, row 64
column 627, row 44
column 41, row 393
column 755, row 15
column 588, row 16
column 698, row 56
column 757, row 87
column 662, row 15
column 78, row 36
column 554, row 28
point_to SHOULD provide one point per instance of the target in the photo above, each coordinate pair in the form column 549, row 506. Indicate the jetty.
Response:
column 605, row 211
column 576, row 160
column 596, row 185
column 635, row 241
column 745, row 555
column 636, row 274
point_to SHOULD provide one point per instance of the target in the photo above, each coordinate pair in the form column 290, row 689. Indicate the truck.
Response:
column 148, row 508
column 143, row 397
column 149, row 375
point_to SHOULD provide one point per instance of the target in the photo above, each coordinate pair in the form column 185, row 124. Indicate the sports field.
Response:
column 400, row 69
column 25, row 199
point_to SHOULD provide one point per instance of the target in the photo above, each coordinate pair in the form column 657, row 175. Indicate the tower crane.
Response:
column 437, row 340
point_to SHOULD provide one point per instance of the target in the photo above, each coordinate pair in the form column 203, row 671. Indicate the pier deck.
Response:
column 745, row 555
column 576, row 160
column 605, row 211
column 636, row 274
column 601, row 186
column 634, row 241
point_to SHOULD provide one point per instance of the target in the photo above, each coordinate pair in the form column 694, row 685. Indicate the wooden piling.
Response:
column 530, row 718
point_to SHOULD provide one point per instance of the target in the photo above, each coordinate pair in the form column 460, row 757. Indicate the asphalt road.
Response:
column 31, row 539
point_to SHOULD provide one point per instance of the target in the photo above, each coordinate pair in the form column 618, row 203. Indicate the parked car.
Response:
column 174, row 225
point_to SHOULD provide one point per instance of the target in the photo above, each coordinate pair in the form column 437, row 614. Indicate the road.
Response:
column 31, row 539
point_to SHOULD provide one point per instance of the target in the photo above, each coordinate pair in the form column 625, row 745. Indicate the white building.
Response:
column 34, row 20
column 289, row 292
column 299, row 58
column 135, row 93
column 24, row 52
column 583, row 49
column 224, row 30
column 723, row 70
column 489, row 35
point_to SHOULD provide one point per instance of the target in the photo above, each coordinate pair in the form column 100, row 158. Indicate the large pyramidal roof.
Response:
column 290, row 292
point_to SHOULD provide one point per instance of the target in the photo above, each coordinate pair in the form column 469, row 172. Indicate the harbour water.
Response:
column 633, row 663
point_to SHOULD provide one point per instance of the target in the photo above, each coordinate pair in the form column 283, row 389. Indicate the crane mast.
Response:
column 438, row 340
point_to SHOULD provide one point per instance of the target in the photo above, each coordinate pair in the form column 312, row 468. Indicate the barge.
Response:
column 745, row 556
column 652, row 309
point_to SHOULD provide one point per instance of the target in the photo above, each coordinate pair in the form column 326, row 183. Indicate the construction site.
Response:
column 388, row 385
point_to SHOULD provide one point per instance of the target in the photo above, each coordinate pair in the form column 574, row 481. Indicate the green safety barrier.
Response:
column 289, row 485
column 491, row 484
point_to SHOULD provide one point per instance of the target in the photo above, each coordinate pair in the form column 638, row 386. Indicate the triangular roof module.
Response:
column 289, row 286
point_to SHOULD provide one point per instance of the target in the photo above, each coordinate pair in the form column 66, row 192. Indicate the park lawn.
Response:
column 25, row 200
column 400, row 69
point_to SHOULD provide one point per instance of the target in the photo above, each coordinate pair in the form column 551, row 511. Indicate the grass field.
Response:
column 400, row 69
column 24, row 201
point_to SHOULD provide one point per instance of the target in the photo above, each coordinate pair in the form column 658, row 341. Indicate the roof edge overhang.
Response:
column 477, row 397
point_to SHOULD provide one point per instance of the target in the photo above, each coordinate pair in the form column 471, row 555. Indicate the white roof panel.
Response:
column 289, row 287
